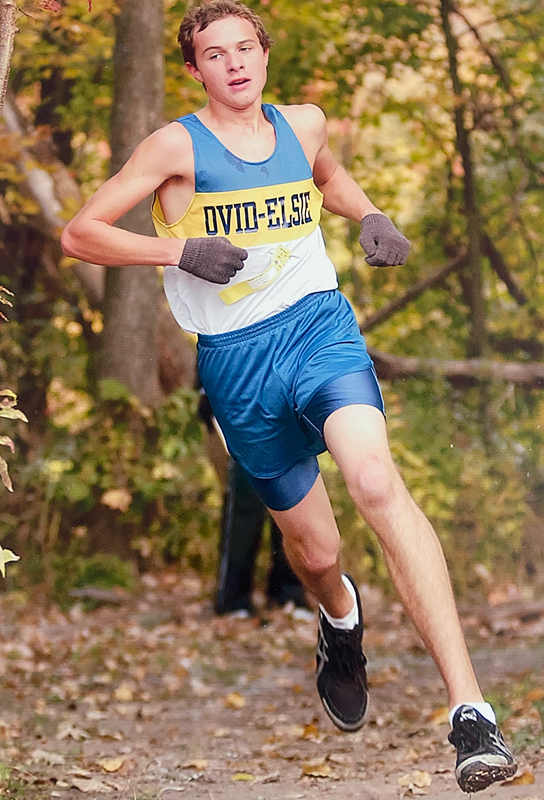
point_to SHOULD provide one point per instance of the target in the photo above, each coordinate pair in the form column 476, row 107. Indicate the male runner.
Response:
column 239, row 188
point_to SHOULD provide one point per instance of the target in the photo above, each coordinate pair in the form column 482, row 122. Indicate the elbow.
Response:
column 69, row 243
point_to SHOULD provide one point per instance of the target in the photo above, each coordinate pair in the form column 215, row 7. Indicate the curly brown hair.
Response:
column 199, row 17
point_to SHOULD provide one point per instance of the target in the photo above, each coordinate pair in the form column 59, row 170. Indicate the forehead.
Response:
column 224, row 32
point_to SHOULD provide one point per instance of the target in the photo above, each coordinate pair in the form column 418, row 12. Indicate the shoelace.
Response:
column 348, row 655
column 468, row 736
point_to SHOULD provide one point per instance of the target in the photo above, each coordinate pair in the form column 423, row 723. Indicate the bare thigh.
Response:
column 356, row 437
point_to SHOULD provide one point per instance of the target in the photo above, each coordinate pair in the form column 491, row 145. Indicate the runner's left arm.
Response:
column 379, row 238
column 341, row 194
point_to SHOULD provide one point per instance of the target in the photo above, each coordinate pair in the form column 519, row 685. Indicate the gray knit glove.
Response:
column 215, row 260
column 382, row 242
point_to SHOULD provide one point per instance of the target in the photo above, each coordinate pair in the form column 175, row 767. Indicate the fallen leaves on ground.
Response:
column 88, row 785
column 524, row 778
column 112, row 764
column 317, row 768
column 156, row 697
column 196, row 763
column 243, row 776
column 235, row 700
column 439, row 716
column 415, row 783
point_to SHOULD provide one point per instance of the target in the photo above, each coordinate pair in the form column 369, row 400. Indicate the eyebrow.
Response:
column 220, row 47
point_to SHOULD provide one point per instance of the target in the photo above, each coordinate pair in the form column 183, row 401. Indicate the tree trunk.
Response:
column 479, row 344
column 8, row 29
column 472, row 279
column 129, row 348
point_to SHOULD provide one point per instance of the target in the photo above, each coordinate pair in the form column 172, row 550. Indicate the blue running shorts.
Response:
column 272, row 385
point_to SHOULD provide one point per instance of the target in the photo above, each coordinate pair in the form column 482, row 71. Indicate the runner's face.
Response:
column 230, row 62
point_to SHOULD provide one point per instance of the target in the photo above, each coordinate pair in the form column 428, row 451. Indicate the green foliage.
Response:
column 477, row 499
column 98, row 571
column 8, row 401
column 121, row 461
column 524, row 697
column 116, row 477
column 12, row 785
column 476, row 495
column 77, row 44
column 4, row 301
column 105, row 473
column 6, row 556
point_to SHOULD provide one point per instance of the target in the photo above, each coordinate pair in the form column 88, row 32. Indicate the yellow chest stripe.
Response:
column 248, row 217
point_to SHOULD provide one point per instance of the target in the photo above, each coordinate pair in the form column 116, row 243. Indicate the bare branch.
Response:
column 414, row 292
column 472, row 370
column 506, row 82
column 39, row 182
column 499, row 266
column 8, row 29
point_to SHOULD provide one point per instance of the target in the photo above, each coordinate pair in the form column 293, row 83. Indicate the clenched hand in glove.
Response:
column 213, row 260
column 384, row 245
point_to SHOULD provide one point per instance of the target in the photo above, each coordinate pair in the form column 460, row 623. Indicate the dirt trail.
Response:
column 157, row 698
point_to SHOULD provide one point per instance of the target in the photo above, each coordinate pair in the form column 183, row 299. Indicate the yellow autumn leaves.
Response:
column 5, row 557
column 8, row 401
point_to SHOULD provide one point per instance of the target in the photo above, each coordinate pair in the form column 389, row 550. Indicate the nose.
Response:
column 235, row 62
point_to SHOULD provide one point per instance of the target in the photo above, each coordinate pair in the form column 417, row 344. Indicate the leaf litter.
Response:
column 156, row 697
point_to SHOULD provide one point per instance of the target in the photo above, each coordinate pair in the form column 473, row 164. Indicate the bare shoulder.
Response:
column 306, row 117
column 168, row 150
column 171, row 135
column 310, row 127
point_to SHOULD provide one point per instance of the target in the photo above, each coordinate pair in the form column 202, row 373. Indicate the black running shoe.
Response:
column 341, row 674
column 482, row 754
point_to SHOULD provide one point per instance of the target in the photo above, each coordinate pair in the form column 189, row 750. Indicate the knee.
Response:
column 318, row 556
column 373, row 483
column 317, row 564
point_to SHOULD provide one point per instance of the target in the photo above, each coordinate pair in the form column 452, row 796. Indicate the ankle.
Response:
column 349, row 620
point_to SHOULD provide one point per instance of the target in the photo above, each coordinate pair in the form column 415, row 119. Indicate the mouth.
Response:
column 239, row 82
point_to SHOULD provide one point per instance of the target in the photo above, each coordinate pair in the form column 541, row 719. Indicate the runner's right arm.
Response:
column 91, row 235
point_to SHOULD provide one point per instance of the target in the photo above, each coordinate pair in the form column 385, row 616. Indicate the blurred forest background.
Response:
column 436, row 108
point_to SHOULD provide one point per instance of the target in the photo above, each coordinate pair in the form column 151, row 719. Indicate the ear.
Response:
column 266, row 57
column 193, row 71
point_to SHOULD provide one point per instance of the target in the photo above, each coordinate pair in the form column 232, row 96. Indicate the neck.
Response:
column 249, row 120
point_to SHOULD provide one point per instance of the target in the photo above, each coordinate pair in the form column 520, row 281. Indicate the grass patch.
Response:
column 13, row 787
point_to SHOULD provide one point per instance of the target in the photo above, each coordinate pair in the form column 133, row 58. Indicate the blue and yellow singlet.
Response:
column 272, row 209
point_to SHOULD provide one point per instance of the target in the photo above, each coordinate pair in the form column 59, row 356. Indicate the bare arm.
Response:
column 91, row 236
column 382, row 242
column 341, row 194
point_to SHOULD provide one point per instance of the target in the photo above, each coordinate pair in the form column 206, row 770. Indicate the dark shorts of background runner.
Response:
column 273, row 384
